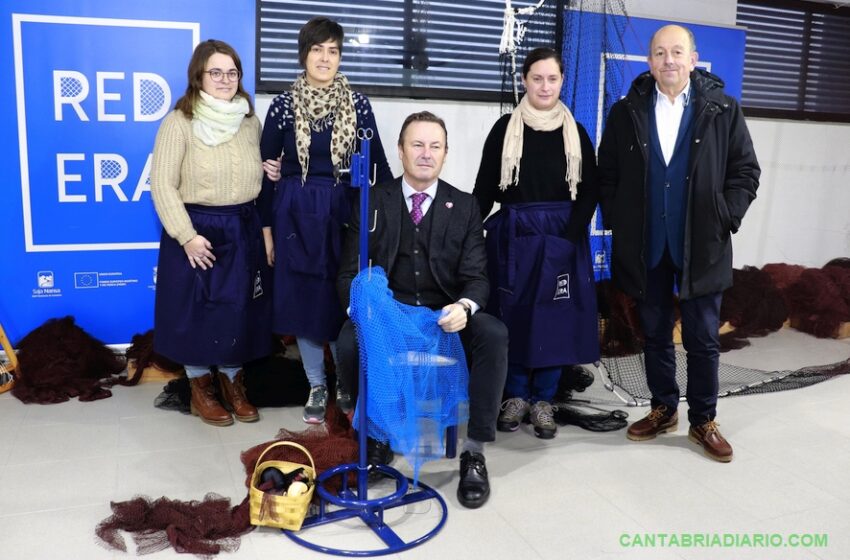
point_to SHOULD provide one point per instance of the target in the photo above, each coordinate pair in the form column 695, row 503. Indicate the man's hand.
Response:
column 453, row 318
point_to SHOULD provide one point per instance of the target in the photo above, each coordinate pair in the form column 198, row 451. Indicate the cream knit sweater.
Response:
column 186, row 171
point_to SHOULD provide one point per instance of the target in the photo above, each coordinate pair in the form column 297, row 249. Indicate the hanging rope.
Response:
column 513, row 32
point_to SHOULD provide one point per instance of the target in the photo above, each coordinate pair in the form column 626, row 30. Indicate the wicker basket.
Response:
column 282, row 512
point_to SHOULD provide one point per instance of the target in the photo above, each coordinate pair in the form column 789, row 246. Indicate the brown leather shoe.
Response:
column 713, row 444
column 654, row 423
column 205, row 404
column 233, row 393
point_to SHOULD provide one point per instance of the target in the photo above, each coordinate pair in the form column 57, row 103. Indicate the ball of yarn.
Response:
column 296, row 489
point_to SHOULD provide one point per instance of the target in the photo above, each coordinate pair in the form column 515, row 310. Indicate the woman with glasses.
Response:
column 313, row 128
column 213, row 307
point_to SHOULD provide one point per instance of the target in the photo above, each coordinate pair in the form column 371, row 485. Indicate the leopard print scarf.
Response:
column 315, row 109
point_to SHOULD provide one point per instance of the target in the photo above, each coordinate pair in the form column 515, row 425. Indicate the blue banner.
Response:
column 91, row 83
column 607, row 53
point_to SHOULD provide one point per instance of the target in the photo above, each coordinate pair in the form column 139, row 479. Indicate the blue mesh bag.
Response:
column 417, row 378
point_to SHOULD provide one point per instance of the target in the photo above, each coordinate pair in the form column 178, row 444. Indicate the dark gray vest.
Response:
column 410, row 279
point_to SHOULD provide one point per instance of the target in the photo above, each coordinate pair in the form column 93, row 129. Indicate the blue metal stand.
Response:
column 355, row 502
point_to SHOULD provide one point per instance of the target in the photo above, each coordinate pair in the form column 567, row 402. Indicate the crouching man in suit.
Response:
column 429, row 239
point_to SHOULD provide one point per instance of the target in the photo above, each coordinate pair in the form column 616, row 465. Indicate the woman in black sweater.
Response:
column 539, row 164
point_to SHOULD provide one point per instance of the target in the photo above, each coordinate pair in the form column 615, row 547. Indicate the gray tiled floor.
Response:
column 571, row 497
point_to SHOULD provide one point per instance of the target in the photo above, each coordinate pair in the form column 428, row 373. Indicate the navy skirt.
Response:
column 222, row 315
column 542, row 285
column 309, row 223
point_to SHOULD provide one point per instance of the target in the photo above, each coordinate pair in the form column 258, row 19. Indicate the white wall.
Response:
column 802, row 213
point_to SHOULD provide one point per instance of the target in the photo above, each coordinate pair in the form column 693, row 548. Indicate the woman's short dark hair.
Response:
column 317, row 31
column 422, row 116
column 195, row 72
column 538, row 54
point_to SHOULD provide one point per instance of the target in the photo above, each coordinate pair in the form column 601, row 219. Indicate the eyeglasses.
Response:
column 217, row 75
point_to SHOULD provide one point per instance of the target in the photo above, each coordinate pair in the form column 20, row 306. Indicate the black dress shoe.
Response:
column 474, row 486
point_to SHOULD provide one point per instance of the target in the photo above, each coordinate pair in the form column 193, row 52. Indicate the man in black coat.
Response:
column 428, row 237
column 678, row 172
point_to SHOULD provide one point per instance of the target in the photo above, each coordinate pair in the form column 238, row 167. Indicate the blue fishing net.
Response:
column 417, row 378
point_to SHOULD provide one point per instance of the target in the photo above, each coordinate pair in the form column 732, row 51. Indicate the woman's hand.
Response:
column 272, row 169
column 199, row 252
column 268, row 240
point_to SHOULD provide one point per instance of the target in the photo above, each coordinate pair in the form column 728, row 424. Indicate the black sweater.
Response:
column 542, row 174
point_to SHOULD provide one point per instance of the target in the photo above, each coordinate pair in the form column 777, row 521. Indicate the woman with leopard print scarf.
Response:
column 313, row 129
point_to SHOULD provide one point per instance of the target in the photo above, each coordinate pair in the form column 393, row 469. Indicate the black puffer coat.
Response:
column 723, row 175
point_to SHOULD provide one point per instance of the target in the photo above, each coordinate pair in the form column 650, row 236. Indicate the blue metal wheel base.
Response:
column 370, row 511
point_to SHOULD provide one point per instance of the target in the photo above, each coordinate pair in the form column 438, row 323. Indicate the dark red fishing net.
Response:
column 203, row 527
column 753, row 305
column 816, row 303
column 59, row 361
column 840, row 276
column 141, row 355
column 620, row 331
column 330, row 444
column 784, row 276
column 211, row 525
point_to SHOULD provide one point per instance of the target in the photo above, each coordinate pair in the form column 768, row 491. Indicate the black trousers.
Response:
column 700, row 337
column 485, row 342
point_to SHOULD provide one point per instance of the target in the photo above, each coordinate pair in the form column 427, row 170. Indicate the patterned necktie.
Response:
column 416, row 208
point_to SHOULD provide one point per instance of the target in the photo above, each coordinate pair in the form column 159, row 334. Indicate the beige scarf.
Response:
column 543, row 121
column 313, row 107
column 215, row 121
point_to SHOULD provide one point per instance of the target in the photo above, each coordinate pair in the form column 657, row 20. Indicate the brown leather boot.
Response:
column 205, row 404
column 233, row 393
column 713, row 444
column 656, row 422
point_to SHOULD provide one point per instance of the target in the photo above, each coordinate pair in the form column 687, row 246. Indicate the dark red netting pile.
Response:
column 753, row 305
column 818, row 300
column 59, row 361
column 211, row 525
column 141, row 354
column 783, row 276
column 203, row 527
column 620, row 332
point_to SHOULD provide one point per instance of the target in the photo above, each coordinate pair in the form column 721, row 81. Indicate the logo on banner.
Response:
column 600, row 261
column 84, row 280
column 91, row 114
column 45, row 279
column 46, row 282
column 152, row 285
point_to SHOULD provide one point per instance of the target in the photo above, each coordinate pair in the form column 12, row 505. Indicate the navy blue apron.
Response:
column 222, row 315
column 542, row 285
column 309, row 224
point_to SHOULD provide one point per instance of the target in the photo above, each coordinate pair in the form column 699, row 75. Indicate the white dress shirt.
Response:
column 668, row 117
column 410, row 191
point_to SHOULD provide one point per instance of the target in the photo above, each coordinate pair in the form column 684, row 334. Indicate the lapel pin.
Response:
column 449, row 205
